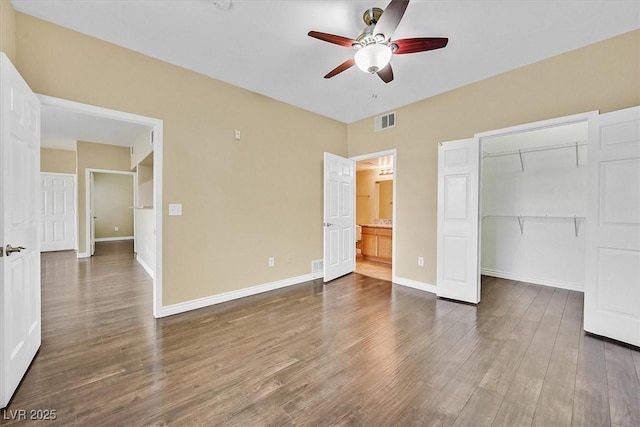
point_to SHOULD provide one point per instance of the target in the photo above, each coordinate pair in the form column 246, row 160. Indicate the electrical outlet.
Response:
column 420, row 261
column 116, row 229
column 272, row 262
column 175, row 208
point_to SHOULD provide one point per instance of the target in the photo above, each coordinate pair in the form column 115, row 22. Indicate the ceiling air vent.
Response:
column 385, row 121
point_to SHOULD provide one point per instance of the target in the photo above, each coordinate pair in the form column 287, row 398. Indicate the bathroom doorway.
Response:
column 375, row 214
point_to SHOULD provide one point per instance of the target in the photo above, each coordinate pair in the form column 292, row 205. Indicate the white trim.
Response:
column 535, row 280
column 82, row 255
column 392, row 152
column 144, row 265
column 558, row 121
column 409, row 283
column 195, row 304
column 114, row 239
column 158, row 147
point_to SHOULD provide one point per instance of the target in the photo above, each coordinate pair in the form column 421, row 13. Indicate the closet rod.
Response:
column 534, row 217
column 575, row 145
column 522, row 218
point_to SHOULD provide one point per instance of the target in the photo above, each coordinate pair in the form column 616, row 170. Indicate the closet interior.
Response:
column 533, row 206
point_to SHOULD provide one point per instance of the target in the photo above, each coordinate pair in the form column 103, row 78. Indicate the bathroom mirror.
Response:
column 384, row 197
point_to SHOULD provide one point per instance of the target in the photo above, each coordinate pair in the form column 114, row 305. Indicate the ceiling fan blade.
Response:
column 332, row 38
column 420, row 44
column 390, row 18
column 386, row 74
column 340, row 68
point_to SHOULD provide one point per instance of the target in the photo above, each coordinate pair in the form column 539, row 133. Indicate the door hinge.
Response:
column 1, row 251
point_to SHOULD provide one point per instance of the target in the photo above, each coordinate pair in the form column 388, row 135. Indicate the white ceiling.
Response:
column 61, row 129
column 263, row 46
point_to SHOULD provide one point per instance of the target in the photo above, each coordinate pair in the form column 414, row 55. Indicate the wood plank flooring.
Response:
column 358, row 351
column 377, row 270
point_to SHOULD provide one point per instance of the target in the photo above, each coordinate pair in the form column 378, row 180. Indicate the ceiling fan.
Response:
column 374, row 46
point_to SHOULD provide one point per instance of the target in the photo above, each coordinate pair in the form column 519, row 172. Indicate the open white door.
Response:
column 612, row 288
column 339, row 218
column 19, row 223
column 458, row 275
column 92, row 217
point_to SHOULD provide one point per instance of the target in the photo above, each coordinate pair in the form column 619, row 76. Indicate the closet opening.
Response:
column 533, row 203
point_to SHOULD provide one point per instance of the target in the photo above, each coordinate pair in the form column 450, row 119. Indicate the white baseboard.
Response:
column 534, row 280
column 82, row 255
column 169, row 310
column 144, row 265
column 414, row 284
column 113, row 239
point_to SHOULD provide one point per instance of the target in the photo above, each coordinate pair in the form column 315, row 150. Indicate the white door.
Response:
column 92, row 217
column 612, row 288
column 57, row 212
column 339, row 218
column 458, row 274
column 20, row 263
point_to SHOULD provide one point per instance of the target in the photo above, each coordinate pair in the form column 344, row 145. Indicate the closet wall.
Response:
column 533, row 185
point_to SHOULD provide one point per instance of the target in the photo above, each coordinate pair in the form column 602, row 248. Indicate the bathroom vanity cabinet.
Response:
column 376, row 243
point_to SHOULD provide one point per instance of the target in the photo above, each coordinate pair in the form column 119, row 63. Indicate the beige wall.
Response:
column 603, row 76
column 142, row 148
column 145, row 185
column 243, row 201
column 95, row 156
column 57, row 161
column 113, row 201
column 7, row 29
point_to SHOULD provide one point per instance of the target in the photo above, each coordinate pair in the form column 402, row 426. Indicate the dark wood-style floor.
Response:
column 358, row 351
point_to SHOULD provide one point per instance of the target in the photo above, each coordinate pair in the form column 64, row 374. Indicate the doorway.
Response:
column 375, row 214
column 533, row 205
column 111, row 196
column 537, row 203
column 153, row 141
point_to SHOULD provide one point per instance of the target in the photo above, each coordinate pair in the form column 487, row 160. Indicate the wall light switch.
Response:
column 175, row 209
column 420, row 261
column 237, row 135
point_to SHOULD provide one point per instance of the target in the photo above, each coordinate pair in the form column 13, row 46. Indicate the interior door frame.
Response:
column 88, row 190
column 157, row 127
column 589, row 117
column 394, row 153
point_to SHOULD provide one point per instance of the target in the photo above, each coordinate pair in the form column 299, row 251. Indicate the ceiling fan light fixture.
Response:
column 373, row 57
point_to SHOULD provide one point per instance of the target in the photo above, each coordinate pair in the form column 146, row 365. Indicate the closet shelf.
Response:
column 522, row 218
column 575, row 145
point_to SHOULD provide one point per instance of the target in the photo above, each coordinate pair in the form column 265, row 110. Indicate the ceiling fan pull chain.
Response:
column 374, row 95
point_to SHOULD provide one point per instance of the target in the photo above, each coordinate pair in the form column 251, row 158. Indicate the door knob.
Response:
column 327, row 224
column 10, row 249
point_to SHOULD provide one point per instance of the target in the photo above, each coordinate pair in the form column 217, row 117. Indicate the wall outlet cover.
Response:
column 175, row 209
